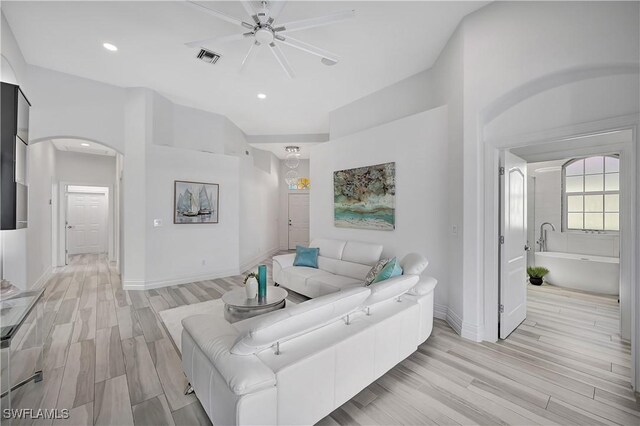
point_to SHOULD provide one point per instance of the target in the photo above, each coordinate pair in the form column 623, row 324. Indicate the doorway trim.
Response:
column 628, row 153
column 113, row 233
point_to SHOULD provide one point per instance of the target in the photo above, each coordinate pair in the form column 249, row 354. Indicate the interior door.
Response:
column 513, row 243
column 298, row 220
column 86, row 223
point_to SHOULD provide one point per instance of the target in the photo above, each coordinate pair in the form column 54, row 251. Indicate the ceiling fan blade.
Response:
column 309, row 48
column 248, row 56
column 249, row 9
column 220, row 15
column 218, row 40
column 275, row 8
column 316, row 22
column 282, row 60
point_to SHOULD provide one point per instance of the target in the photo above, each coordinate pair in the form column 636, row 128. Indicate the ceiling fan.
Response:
column 264, row 30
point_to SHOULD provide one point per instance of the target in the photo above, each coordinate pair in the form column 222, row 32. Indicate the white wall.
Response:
column 548, row 201
column 178, row 253
column 84, row 169
column 440, row 85
column 166, row 142
column 64, row 105
column 259, row 207
column 419, row 150
column 284, row 191
column 42, row 169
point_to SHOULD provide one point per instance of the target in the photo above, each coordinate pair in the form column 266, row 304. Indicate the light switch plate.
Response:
column 157, row 223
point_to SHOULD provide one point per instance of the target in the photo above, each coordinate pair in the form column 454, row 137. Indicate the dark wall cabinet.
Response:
column 14, row 137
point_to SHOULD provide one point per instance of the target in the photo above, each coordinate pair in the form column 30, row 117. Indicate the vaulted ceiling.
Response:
column 386, row 42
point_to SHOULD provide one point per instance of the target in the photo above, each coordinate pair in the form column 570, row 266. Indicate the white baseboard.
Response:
column 44, row 278
column 440, row 311
column 472, row 331
column 257, row 259
column 464, row 329
column 454, row 321
column 133, row 284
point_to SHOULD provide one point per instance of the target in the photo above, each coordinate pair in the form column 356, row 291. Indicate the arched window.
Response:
column 591, row 194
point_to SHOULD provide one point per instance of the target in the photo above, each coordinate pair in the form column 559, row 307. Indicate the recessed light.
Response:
column 262, row 96
column 110, row 47
column 84, row 144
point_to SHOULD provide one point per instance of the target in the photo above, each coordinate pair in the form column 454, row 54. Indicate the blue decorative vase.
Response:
column 262, row 281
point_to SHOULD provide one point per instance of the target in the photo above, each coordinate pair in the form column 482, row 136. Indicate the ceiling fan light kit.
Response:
column 264, row 31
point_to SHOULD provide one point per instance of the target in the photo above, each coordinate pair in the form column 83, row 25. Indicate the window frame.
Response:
column 565, row 195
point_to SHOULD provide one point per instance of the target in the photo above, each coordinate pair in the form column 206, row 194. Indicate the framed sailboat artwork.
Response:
column 195, row 202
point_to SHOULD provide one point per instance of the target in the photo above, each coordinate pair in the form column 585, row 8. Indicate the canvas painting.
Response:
column 365, row 197
column 195, row 202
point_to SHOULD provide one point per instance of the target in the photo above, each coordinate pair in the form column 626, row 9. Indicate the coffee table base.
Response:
column 234, row 313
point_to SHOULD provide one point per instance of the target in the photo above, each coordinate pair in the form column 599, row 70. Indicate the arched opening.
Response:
column 81, row 181
column 579, row 124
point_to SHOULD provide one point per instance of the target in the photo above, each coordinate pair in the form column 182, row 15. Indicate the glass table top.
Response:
column 13, row 312
column 238, row 298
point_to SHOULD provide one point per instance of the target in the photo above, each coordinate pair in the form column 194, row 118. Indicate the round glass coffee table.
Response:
column 237, row 307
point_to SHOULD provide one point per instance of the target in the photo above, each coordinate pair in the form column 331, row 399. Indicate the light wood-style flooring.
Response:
column 109, row 360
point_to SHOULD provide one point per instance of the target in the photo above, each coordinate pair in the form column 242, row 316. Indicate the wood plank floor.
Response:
column 109, row 360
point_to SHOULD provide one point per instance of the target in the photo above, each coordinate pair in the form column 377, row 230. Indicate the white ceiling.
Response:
column 386, row 42
column 75, row 145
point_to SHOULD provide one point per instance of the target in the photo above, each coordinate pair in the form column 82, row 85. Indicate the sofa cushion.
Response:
column 215, row 337
column 390, row 289
column 306, row 257
column 390, row 270
column 329, row 248
column 364, row 253
column 265, row 330
column 414, row 264
column 337, row 281
column 373, row 273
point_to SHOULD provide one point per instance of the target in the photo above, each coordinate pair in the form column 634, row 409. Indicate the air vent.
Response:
column 208, row 56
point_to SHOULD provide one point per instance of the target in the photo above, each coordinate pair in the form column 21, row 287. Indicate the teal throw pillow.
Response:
column 306, row 257
column 390, row 270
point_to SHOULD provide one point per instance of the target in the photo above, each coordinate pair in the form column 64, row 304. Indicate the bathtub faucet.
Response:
column 542, row 242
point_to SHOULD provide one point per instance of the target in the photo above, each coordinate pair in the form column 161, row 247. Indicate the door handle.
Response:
column 527, row 248
column 69, row 227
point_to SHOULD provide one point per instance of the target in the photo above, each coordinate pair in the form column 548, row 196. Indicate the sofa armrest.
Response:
column 424, row 286
column 215, row 337
column 282, row 262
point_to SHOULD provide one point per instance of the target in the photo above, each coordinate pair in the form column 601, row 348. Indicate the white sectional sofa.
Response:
column 296, row 365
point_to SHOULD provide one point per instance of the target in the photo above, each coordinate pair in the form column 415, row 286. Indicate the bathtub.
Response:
column 597, row 274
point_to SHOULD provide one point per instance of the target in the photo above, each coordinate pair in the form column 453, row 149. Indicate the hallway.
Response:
column 109, row 359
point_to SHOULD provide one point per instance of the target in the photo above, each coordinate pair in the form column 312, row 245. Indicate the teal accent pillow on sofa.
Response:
column 390, row 270
column 306, row 257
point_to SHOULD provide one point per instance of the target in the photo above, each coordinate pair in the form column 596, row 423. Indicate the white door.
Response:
column 86, row 223
column 513, row 243
column 298, row 220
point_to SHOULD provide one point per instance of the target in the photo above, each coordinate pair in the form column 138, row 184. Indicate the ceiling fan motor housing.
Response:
column 264, row 35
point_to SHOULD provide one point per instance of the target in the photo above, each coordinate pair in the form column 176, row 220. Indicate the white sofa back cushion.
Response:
column 262, row 332
column 329, row 248
column 413, row 264
column 390, row 289
column 364, row 253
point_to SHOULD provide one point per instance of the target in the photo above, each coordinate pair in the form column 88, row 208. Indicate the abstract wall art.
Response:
column 365, row 197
